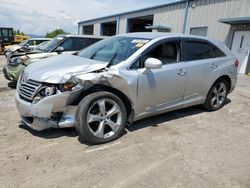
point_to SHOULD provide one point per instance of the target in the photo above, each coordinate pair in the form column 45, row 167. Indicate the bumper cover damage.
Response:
column 50, row 112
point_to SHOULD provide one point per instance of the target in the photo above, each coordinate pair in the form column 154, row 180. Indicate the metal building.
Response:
column 227, row 20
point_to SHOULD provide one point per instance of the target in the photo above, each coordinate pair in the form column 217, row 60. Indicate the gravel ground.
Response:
column 185, row 148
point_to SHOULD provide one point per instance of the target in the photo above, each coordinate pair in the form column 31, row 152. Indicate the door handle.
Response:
column 182, row 72
column 214, row 65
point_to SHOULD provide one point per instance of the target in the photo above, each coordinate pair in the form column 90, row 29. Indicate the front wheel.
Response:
column 101, row 117
column 217, row 95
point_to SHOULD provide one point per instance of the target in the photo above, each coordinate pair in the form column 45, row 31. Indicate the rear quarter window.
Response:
column 197, row 50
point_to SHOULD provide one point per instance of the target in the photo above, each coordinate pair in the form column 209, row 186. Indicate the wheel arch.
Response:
column 97, row 88
column 225, row 77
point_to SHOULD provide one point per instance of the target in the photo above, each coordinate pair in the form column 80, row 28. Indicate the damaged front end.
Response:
column 43, row 106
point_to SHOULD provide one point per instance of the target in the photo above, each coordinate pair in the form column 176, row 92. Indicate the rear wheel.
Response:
column 101, row 117
column 217, row 95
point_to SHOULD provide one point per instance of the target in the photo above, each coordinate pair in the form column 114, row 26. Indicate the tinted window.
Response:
column 76, row 44
column 197, row 50
column 67, row 44
column 89, row 41
column 217, row 51
column 39, row 41
column 31, row 42
column 166, row 52
column 5, row 32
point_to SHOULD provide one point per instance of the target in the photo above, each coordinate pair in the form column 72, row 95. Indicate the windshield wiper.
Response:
column 94, row 54
column 113, row 58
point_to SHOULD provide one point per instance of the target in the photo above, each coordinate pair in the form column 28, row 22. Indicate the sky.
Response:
column 41, row 16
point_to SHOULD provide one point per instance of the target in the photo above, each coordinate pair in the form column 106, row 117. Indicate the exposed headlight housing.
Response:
column 49, row 91
column 18, row 60
column 70, row 83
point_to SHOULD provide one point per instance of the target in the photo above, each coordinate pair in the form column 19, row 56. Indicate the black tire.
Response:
column 82, row 127
column 12, row 84
column 208, row 105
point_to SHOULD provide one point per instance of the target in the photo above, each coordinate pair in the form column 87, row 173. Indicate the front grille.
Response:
column 28, row 89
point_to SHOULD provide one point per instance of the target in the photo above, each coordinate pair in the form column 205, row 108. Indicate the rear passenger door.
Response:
column 201, row 60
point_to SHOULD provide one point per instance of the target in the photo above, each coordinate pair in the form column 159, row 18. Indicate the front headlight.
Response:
column 70, row 83
column 18, row 60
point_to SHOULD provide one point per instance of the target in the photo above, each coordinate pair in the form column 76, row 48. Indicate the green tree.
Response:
column 56, row 32
column 18, row 32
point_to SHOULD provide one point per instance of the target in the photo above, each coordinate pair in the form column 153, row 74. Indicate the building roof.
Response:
column 235, row 20
column 134, row 11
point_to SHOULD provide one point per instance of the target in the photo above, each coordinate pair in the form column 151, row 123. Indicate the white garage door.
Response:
column 241, row 45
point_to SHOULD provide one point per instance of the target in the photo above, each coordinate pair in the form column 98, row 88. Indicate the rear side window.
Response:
column 217, row 51
column 31, row 42
column 196, row 50
column 39, row 41
column 77, row 44
column 70, row 44
column 89, row 41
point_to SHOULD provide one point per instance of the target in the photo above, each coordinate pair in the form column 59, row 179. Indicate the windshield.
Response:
column 113, row 50
column 50, row 45
column 24, row 43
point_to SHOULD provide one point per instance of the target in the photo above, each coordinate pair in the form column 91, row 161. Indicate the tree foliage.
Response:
column 55, row 32
column 18, row 32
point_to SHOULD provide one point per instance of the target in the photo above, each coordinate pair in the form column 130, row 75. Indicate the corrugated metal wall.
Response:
column 201, row 13
column 208, row 12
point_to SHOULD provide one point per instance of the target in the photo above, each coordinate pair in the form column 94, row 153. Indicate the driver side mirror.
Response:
column 26, row 46
column 59, row 49
column 153, row 63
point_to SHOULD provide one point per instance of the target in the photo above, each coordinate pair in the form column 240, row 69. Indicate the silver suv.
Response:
column 123, row 79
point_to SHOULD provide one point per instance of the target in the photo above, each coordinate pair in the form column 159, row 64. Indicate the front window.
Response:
column 113, row 50
column 23, row 43
column 50, row 45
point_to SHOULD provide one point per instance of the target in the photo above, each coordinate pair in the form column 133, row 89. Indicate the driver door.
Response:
column 162, row 89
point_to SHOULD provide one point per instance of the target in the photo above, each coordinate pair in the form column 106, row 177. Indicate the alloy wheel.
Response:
column 219, row 94
column 104, row 118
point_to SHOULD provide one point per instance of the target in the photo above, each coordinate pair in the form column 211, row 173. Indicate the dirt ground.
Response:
column 185, row 148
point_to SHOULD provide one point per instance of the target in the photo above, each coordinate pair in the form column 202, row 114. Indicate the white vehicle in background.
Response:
column 26, row 45
column 62, row 44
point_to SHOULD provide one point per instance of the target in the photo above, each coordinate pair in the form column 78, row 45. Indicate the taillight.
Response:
column 236, row 63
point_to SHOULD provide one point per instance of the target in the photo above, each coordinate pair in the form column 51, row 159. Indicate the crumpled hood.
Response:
column 18, row 54
column 53, row 69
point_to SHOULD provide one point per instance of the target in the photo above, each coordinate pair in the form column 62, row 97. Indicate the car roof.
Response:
column 82, row 36
column 153, row 35
column 39, row 39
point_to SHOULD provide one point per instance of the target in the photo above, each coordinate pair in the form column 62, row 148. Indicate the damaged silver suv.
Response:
column 123, row 79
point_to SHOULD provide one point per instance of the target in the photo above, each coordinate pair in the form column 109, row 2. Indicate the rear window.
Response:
column 196, row 50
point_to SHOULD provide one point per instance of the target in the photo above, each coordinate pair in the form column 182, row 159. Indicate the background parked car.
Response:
column 68, row 44
column 24, row 46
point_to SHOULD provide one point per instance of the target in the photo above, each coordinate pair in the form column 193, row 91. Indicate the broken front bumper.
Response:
column 49, row 112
